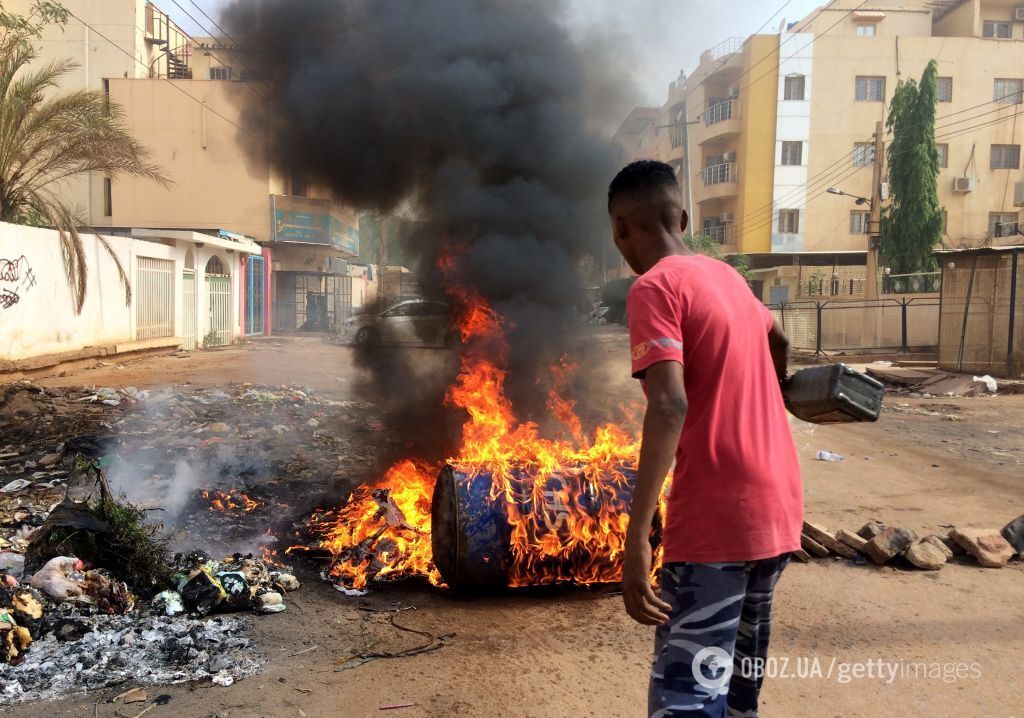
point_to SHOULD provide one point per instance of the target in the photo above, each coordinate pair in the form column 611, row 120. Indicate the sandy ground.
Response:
column 575, row 653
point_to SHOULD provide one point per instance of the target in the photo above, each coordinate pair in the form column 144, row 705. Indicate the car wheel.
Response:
column 367, row 337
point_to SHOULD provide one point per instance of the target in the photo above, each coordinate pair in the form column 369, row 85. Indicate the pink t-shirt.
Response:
column 736, row 493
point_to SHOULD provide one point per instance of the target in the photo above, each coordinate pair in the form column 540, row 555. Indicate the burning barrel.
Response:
column 489, row 533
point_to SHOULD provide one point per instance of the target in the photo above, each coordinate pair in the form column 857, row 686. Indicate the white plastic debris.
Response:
column 168, row 603
column 16, row 485
column 829, row 456
column 989, row 383
column 223, row 678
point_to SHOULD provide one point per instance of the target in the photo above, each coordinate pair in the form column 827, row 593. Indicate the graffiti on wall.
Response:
column 16, row 278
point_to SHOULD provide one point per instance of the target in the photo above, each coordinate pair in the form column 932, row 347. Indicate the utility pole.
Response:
column 875, row 221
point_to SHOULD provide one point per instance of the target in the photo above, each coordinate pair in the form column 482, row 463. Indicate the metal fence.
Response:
column 254, row 300
column 154, row 298
column 923, row 283
column 902, row 325
column 720, row 112
column 311, row 301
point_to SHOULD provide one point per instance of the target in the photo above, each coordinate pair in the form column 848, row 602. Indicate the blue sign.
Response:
column 314, row 221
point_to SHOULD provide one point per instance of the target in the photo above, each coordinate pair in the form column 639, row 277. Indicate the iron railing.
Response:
column 923, row 283
column 723, row 233
column 717, row 174
column 720, row 112
column 727, row 47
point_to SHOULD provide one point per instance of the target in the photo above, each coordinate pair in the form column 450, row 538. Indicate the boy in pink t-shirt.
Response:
column 711, row 359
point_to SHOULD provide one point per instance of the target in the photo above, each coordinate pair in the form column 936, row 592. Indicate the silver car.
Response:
column 419, row 322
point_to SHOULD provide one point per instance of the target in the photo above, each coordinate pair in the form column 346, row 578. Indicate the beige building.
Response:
column 763, row 127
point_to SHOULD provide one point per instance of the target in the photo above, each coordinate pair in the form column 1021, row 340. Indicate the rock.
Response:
column 1013, row 532
column 218, row 427
column 18, row 407
column 925, row 554
column 813, row 547
column 852, row 540
column 49, row 460
column 939, row 543
column 801, row 556
column 871, row 529
column 889, row 543
column 986, row 545
column 827, row 539
column 952, row 545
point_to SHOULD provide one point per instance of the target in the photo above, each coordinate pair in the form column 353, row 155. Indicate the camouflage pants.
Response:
column 721, row 614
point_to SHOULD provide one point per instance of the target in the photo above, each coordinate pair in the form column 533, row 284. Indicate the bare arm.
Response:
column 778, row 343
column 663, row 422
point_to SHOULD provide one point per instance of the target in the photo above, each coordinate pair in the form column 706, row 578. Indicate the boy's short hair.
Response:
column 641, row 177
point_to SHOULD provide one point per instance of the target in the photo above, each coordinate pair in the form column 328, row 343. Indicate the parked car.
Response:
column 419, row 322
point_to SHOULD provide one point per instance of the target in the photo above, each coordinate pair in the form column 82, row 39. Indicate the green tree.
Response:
column 47, row 137
column 912, row 223
column 709, row 247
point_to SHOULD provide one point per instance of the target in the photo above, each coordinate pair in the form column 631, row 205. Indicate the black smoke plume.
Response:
column 482, row 112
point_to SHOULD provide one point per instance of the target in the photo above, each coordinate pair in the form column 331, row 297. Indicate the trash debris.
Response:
column 55, row 578
column 989, row 383
column 16, row 485
column 239, row 582
column 829, row 456
column 135, row 695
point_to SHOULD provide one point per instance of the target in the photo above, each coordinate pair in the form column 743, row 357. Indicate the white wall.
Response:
column 43, row 320
column 793, row 125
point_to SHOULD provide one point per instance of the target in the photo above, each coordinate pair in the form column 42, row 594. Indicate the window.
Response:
column 867, row 29
column 996, row 29
column 943, row 155
column 1005, row 157
column 220, row 73
column 870, row 89
column 795, row 86
column 792, row 153
column 860, row 222
column 108, row 197
column 863, row 154
column 944, row 89
column 297, row 186
column 789, row 221
column 1007, row 92
column 1003, row 224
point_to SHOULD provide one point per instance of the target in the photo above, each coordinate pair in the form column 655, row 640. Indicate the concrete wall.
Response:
column 43, row 321
column 214, row 183
column 759, row 102
column 963, row 21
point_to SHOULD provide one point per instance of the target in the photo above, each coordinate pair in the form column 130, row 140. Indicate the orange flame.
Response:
column 232, row 500
column 563, row 499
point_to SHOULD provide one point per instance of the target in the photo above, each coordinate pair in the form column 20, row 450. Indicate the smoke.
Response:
column 483, row 114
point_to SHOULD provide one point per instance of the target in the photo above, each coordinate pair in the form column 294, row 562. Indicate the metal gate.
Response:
column 254, row 301
column 154, row 298
column 219, row 293
column 188, row 309
column 311, row 301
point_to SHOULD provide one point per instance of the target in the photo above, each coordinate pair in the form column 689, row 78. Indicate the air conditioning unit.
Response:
column 884, row 191
column 963, row 184
column 728, row 216
column 733, row 93
column 1018, row 14
column 1018, row 194
column 730, row 157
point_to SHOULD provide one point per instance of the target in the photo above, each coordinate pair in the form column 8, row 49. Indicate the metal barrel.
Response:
column 471, row 534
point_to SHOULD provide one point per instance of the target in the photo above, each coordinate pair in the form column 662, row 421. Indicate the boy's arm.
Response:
column 663, row 422
column 778, row 343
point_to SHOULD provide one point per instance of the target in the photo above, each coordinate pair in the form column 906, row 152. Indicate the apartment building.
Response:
column 764, row 126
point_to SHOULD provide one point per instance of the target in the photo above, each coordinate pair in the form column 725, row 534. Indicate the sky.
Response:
column 656, row 38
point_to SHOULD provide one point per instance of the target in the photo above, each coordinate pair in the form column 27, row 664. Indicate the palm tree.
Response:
column 46, row 137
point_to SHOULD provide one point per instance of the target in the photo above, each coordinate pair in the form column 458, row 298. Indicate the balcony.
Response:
column 719, row 181
column 721, row 121
column 304, row 220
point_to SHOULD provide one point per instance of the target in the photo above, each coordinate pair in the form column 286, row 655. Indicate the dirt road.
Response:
column 925, row 464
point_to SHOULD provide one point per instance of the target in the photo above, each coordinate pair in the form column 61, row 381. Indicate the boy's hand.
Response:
column 642, row 603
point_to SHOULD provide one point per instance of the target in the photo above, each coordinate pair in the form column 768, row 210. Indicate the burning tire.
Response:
column 367, row 337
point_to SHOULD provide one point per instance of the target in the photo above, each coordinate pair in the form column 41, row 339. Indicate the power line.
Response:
column 172, row 84
column 223, row 32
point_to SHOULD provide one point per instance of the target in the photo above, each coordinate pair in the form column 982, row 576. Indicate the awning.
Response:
column 870, row 15
column 234, row 242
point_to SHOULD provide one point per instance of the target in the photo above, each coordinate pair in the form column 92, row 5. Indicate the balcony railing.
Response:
column 923, row 283
column 727, row 47
column 720, row 112
column 722, row 234
column 717, row 174
column 677, row 136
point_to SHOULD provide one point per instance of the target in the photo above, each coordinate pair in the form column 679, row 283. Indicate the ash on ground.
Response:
column 111, row 650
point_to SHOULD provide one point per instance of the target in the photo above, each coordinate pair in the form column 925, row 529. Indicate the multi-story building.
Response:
column 763, row 127
column 183, row 98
